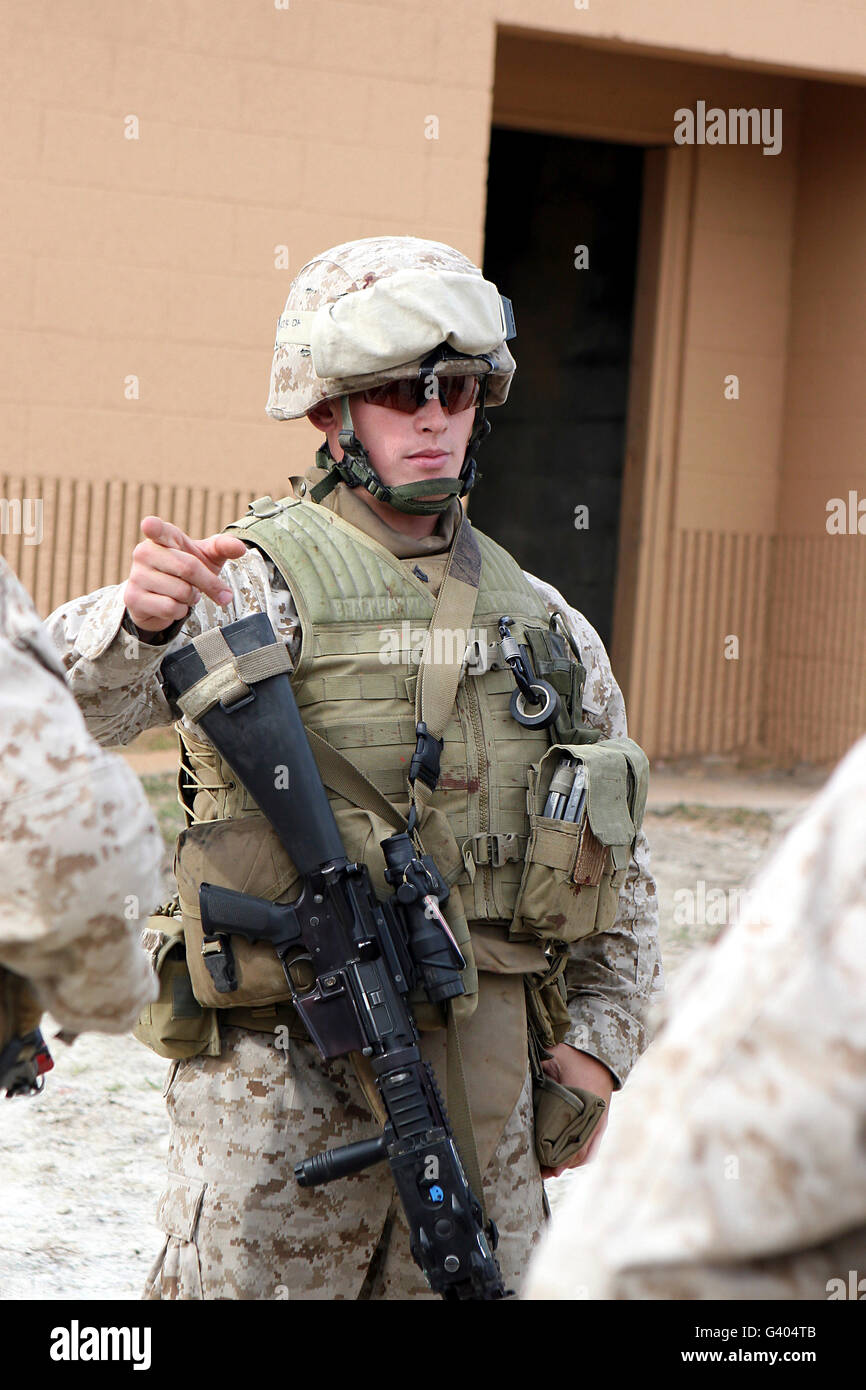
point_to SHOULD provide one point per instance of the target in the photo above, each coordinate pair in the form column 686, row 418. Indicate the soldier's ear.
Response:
column 324, row 415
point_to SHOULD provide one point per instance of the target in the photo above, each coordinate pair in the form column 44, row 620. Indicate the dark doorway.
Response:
column 558, row 442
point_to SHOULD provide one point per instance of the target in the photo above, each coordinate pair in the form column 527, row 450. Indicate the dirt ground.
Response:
column 83, row 1163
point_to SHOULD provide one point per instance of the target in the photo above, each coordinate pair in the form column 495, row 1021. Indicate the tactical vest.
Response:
column 363, row 622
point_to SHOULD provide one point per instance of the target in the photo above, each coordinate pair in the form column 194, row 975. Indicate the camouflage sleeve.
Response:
column 112, row 667
column 734, row 1163
column 80, row 853
column 613, row 977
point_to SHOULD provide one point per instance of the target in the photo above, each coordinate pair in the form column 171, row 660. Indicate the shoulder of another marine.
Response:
column 20, row 623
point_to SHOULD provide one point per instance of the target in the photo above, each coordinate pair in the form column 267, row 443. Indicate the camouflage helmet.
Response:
column 412, row 296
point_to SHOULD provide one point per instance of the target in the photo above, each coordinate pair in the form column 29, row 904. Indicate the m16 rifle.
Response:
column 367, row 955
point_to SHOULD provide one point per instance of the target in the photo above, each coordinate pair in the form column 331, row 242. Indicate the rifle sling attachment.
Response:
column 229, row 676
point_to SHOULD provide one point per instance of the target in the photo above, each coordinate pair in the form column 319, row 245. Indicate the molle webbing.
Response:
column 364, row 618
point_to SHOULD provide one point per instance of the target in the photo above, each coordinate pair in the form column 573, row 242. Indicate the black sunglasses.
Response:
column 455, row 392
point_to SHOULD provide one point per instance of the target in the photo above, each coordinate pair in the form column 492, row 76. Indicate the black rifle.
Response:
column 367, row 956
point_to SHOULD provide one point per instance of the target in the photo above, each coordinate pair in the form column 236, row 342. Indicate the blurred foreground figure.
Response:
column 736, row 1160
column 79, row 857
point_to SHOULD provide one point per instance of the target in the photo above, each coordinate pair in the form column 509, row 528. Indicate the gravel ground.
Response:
column 83, row 1163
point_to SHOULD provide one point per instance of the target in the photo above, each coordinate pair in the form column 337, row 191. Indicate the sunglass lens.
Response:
column 459, row 392
column 394, row 395
column 455, row 392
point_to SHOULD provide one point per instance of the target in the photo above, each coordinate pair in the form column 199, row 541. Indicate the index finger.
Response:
column 173, row 538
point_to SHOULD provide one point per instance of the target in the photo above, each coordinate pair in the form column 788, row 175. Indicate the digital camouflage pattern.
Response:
column 80, row 853
column 295, row 387
column 735, row 1163
column 238, row 1225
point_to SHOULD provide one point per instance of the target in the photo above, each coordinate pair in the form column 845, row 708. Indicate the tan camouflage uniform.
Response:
column 80, row 853
column 735, row 1164
column 236, row 1222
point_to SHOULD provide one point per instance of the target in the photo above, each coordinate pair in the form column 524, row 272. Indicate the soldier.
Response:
column 736, row 1165
column 79, row 848
column 392, row 347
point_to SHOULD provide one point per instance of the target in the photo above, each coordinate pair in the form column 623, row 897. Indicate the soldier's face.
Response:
column 403, row 448
column 429, row 443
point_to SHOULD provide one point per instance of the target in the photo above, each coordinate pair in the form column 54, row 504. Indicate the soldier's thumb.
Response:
column 220, row 547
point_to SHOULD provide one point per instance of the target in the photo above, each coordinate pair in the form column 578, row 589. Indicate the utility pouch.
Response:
column 546, row 1013
column 551, row 662
column 574, row 870
column 176, row 1025
column 565, row 1117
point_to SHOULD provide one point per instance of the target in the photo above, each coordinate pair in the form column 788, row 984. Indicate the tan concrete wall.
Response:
column 155, row 257
column 816, row 695
column 702, row 473
column 800, row 35
column 772, row 290
column 825, row 399
column 263, row 127
column 729, row 450
column 739, row 288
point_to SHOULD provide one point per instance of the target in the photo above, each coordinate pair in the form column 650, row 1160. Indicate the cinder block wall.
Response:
column 141, row 278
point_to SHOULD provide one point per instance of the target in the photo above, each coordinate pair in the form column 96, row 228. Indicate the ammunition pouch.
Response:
column 573, row 872
column 547, row 1016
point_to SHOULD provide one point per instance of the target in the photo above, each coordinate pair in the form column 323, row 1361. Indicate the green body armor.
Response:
column 363, row 622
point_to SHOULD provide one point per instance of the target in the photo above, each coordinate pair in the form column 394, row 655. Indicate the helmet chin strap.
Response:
column 422, row 498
